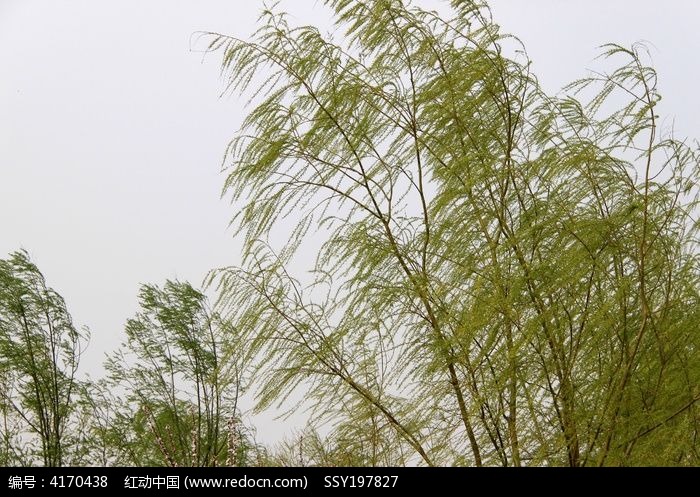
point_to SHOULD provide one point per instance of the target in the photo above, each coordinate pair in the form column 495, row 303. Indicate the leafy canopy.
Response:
column 506, row 277
column 40, row 351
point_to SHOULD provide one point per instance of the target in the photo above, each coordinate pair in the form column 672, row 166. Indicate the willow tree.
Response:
column 40, row 351
column 178, row 375
column 506, row 277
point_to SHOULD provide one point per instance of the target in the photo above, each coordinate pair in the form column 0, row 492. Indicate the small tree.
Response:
column 181, row 373
column 507, row 277
column 40, row 351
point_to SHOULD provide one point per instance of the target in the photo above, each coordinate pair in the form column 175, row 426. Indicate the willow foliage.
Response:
column 178, row 379
column 506, row 277
column 40, row 351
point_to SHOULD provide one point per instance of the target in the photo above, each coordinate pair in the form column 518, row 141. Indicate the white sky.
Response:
column 112, row 131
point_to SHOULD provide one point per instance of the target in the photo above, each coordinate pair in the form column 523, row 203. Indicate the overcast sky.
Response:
column 112, row 131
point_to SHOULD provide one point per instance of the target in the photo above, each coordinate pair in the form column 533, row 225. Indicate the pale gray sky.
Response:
column 112, row 131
